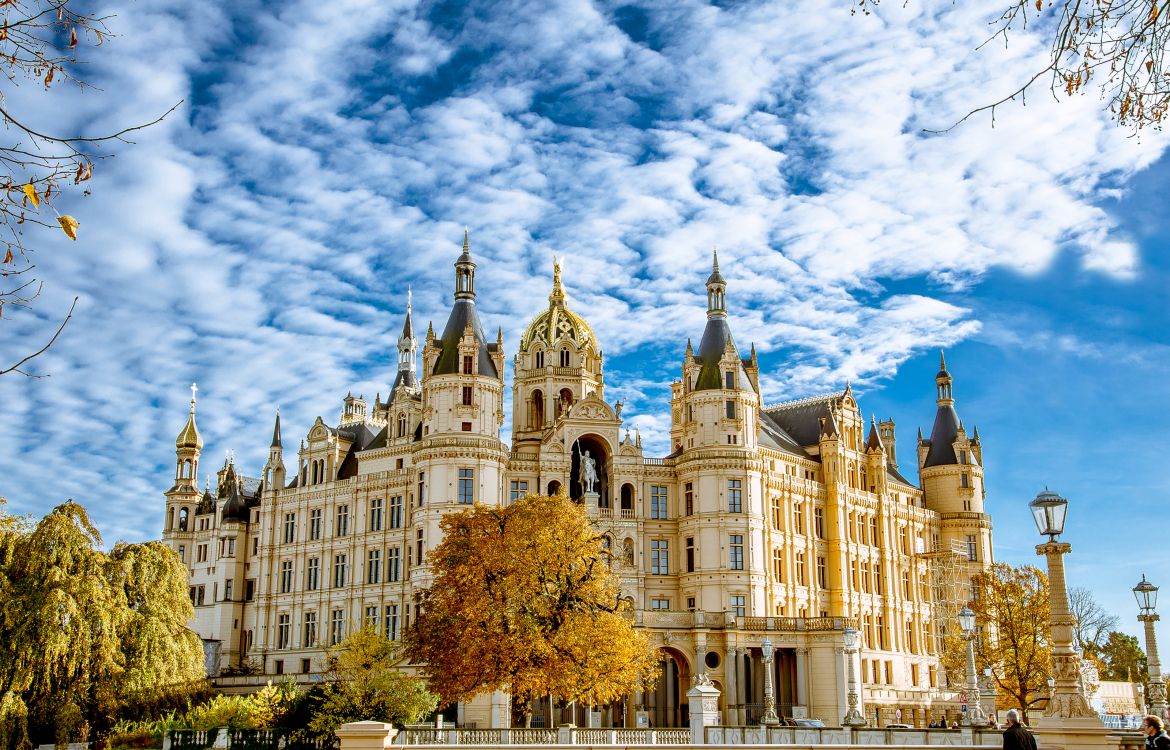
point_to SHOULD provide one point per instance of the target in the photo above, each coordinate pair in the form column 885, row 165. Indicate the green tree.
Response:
column 1122, row 658
column 523, row 600
column 84, row 635
column 367, row 683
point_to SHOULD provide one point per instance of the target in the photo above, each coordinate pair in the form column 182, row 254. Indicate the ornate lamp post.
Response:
column 1068, row 701
column 1147, row 598
column 975, row 715
column 769, row 718
column 853, row 717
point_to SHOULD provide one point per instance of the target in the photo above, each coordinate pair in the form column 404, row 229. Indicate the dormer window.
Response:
column 729, row 380
column 467, row 364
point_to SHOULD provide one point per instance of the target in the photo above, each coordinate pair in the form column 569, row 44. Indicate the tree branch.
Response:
column 16, row 367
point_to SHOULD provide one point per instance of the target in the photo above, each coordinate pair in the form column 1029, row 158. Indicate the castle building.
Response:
column 781, row 522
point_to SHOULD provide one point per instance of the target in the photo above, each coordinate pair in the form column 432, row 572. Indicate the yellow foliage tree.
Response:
column 524, row 600
column 1011, row 615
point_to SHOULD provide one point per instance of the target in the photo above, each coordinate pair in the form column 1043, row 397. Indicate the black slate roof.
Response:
column 801, row 420
column 462, row 312
column 710, row 353
column 942, row 438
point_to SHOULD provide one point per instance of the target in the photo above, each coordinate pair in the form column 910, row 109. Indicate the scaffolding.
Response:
column 950, row 588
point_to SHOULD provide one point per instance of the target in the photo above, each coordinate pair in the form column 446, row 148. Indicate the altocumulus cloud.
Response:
column 262, row 239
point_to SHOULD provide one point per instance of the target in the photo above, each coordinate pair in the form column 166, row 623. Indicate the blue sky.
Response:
column 328, row 155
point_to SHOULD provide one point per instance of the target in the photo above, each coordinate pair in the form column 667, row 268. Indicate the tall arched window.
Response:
column 539, row 359
column 537, row 409
column 183, row 519
column 314, row 472
column 401, row 425
column 564, row 357
column 171, row 519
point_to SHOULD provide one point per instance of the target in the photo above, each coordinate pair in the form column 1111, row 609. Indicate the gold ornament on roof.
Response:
column 558, row 321
column 189, row 437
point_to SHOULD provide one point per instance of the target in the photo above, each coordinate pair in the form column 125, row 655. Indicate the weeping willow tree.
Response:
column 86, row 635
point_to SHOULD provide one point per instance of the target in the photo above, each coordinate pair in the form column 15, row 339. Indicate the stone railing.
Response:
column 565, row 735
column 794, row 624
column 853, row 737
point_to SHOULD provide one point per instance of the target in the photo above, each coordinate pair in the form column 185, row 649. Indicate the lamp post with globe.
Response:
column 1067, row 701
column 1146, row 594
column 975, row 715
column 769, row 718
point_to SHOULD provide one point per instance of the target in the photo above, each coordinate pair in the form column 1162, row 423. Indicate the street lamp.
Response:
column 975, row 715
column 1146, row 594
column 1067, row 700
column 853, row 716
column 769, row 718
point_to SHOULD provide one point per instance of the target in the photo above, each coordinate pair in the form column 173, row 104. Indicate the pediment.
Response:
column 593, row 409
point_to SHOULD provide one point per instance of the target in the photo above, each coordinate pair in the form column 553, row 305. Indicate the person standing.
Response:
column 1015, row 737
column 1156, row 738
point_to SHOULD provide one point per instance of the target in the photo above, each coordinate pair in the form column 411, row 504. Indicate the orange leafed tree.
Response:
column 523, row 600
column 1011, row 612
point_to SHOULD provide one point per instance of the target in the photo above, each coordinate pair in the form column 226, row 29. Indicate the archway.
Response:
column 627, row 500
column 594, row 448
column 554, row 487
column 667, row 702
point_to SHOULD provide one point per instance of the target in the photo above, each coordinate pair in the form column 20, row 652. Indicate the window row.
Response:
column 385, row 619
column 379, row 568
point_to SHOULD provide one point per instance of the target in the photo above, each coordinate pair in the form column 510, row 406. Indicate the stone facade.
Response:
column 786, row 521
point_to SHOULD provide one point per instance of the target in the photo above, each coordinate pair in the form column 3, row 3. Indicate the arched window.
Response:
column 540, row 359
column 183, row 513
column 171, row 519
column 567, row 397
column 564, row 357
column 401, row 425
column 314, row 472
column 537, row 409
column 554, row 487
column 627, row 497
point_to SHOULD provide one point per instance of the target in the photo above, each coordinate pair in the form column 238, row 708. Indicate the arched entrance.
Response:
column 592, row 447
column 667, row 702
column 554, row 487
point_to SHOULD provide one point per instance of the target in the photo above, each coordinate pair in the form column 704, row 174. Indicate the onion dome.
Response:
column 189, row 437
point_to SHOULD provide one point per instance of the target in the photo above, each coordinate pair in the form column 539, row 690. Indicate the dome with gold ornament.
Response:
column 189, row 437
column 558, row 322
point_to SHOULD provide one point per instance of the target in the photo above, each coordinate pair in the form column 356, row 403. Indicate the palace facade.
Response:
column 781, row 522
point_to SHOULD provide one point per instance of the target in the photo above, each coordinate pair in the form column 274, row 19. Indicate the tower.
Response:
column 274, row 468
column 183, row 496
column 557, row 365
column 951, row 470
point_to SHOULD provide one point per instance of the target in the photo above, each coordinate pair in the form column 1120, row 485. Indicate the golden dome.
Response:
column 558, row 321
column 189, row 437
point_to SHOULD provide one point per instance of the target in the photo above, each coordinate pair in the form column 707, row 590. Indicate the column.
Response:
column 731, row 694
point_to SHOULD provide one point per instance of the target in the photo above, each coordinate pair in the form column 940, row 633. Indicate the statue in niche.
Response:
column 588, row 471
column 628, row 552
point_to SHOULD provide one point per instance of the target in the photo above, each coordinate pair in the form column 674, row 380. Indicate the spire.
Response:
column 407, row 327
column 874, row 441
column 189, row 437
column 558, row 291
column 276, row 431
column 716, row 290
column 465, row 271
column 944, row 381
column 947, row 425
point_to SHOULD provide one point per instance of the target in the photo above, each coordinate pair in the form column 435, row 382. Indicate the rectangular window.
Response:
column 249, row 589
column 659, row 557
column 881, row 632
column 729, row 409
column 286, row 576
column 690, row 554
column 374, row 567
column 339, row 564
column 200, row 595
column 283, row 631
column 315, row 524
column 371, row 617
column 467, row 486
column 310, row 630
column 914, row 675
column 972, row 548
column 797, row 519
column 889, row 671
column 865, row 576
column 736, row 551
column 393, row 558
column 689, row 499
column 658, row 502
column 819, row 522
column 874, row 537
column 903, row 540
column 396, row 512
column 392, row 621
column 878, row 586
column 313, row 574
column 777, row 513
column 466, row 395
column 466, row 364
column 906, row 594
column 519, row 489
column 418, row 547
column 659, row 604
column 800, row 569
column 466, row 426
column 822, row 572
column 734, row 496
column 336, row 627
column 376, row 514
column 910, row 637
column 738, row 605
column 227, row 591
column 342, row 527
column 290, row 528
column 278, row 666
column 778, row 565
column 422, row 486
column 729, row 381
column 963, row 481
column 201, row 553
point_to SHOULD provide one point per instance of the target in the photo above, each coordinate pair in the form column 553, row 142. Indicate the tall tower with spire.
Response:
column 950, row 465
column 274, row 469
column 184, row 493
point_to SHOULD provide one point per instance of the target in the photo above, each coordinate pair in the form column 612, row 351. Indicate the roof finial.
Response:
column 558, row 291
column 194, row 388
column 942, row 360
column 466, row 237
column 715, row 259
column 409, row 299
